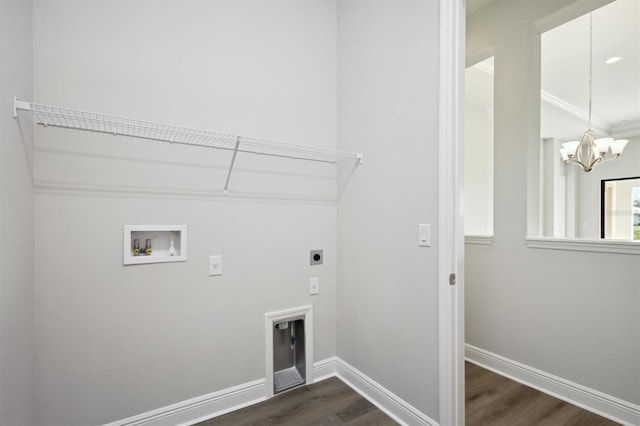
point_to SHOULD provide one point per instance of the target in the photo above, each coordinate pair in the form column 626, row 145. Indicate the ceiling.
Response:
column 565, row 77
column 472, row 6
column 475, row 5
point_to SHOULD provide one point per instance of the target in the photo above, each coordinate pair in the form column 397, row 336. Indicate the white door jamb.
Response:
column 450, row 232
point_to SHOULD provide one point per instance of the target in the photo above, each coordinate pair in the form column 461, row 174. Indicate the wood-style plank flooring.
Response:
column 491, row 400
column 329, row 402
column 494, row 400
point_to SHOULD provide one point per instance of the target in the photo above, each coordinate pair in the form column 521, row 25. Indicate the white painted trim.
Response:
column 597, row 125
column 215, row 404
column 200, row 408
column 618, row 410
column 578, row 244
column 450, row 232
column 392, row 405
column 270, row 319
column 485, row 240
column 324, row 369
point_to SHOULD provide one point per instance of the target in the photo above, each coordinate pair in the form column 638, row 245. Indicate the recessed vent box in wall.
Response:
column 289, row 357
column 154, row 244
column 289, row 363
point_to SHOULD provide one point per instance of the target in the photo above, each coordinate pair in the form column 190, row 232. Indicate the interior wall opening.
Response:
column 571, row 199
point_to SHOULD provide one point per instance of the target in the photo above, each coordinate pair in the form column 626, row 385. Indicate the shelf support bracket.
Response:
column 20, row 105
column 233, row 160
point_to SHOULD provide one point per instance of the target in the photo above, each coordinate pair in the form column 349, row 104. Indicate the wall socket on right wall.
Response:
column 314, row 286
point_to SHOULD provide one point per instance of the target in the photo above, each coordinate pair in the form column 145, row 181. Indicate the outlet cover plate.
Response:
column 215, row 265
column 314, row 286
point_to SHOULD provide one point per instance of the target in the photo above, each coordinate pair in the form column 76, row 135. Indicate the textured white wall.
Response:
column 17, row 339
column 388, row 102
column 572, row 314
column 115, row 341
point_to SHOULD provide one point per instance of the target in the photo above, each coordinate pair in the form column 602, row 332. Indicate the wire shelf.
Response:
column 55, row 116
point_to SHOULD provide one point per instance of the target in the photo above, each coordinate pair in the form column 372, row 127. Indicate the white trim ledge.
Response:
column 576, row 244
column 608, row 406
column 200, row 408
column 215, row 404
column 392, row 405
column 483, row 240
column 324, row 369
column 450, row 215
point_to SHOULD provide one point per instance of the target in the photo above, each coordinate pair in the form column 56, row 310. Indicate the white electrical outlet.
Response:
column 314, row 285
column 215, row 265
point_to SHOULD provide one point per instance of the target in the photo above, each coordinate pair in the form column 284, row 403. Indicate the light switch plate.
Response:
column 424, row 235
column 314, row 286
column 215, row 265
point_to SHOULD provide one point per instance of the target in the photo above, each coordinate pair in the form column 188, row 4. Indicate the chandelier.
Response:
column 588, row 152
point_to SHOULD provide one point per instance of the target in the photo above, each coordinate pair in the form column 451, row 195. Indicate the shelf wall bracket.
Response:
column 20, row 105
column 233, row 160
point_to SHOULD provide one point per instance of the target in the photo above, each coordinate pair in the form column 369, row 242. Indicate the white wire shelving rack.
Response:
column 55, row 116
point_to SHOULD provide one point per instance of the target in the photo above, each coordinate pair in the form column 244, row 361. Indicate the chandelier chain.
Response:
column 589, row 151
column 590, row 65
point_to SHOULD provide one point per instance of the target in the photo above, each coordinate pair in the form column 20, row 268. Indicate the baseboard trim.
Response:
column 215, row 404
column 200, row 408
column 392, row 405
column 608, row 406
column 324, row 369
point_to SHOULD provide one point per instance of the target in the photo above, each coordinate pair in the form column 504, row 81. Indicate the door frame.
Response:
column 450, row 211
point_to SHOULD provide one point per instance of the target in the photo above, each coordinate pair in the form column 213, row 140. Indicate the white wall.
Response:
column 16, row 218
column 478, row 151
column 387, row 102
column 571, row 314
column 114, row 341
column 478, row 193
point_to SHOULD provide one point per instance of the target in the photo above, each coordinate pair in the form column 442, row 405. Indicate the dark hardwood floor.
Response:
column 494, row 400
column 329, row 402
column 491, row 400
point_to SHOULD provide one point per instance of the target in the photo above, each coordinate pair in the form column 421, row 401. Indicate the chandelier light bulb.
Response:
column 617, row 146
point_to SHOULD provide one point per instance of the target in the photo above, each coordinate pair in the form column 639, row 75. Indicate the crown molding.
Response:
column 627, row 130
column 597, row 125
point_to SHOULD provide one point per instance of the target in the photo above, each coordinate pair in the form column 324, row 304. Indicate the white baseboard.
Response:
column 217, row 403
column 224, row 401
column 608, row 406
column 392, row 405
column 200, row 408
column 324, row 369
